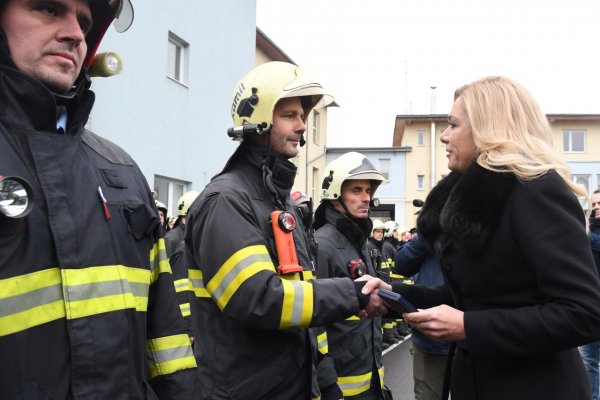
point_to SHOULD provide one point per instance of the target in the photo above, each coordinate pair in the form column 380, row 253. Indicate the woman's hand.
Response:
column 441, row 322
column 373, row 284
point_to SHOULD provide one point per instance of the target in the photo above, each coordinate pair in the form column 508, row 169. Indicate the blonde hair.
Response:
column 510, row 131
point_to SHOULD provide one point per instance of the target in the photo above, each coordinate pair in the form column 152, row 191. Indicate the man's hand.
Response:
column 441, row 322
column 376, row 306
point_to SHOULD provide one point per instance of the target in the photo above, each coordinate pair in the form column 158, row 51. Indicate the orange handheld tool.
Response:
column 283, row 224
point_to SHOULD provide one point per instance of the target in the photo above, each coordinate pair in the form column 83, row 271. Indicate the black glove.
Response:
column 332, row 392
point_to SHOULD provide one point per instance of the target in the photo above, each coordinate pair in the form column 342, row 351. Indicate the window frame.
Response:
column 180, row 57
column 568, row 136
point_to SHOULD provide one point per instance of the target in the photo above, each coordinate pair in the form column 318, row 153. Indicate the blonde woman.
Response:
column 519, row 295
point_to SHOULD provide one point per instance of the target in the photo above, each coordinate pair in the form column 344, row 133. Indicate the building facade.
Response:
column 169, row 108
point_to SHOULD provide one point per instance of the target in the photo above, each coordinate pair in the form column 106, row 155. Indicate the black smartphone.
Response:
column 396, row 302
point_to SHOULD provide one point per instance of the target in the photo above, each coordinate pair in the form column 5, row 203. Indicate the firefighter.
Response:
column 342, row 226
column 381, row 262
column 87, row 298
column 175, row 247
column 251, row 306
column 391, row 244
column 177, row 234
column 162, row 214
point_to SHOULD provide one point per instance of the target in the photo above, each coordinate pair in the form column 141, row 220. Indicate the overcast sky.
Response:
column 379, row 58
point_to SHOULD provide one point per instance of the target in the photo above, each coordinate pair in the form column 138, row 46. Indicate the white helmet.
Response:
column 390, row 226
column 350, row 166
column 185, row 201
column 255, row 96
column 378, row 224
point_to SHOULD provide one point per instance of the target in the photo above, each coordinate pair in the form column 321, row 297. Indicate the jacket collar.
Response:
column 465, row 209
column 26, row 104
column 356, row 230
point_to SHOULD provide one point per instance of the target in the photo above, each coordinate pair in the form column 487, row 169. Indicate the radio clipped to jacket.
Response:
column 357, row 268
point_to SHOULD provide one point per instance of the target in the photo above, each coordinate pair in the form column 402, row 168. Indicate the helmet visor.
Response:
column 124, row 17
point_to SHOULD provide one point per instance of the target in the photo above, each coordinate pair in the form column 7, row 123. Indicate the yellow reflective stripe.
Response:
column 381, row 371
column 396, row 276
column 353, row 318
column 353, row 385
column 241, row 266
column 388, row 325
column 185, row 309
column 159, row 261
column 30, row 300
column 169, row 354
column 181, row 285
column 322, row 343
column 95, row 290
column 297, row 305
column 299, row 276
column 196, row 283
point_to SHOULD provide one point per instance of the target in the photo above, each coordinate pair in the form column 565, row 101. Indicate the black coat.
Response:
column 529, row 291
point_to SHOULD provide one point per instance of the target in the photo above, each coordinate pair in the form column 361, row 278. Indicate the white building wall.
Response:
column 174, row 130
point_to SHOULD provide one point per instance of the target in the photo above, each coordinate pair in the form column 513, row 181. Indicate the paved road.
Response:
column 398, row 370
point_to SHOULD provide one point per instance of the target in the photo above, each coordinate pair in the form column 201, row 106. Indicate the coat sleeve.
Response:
column 172, row 366
column 240, row 276
column 410, row 256
column 568, row 311
column 181, row 282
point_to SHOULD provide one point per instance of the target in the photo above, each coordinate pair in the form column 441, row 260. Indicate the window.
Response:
column 177, row 58
column 597, row 181
column 420, row 182
column 582, row 179
column 316, row 127
column 168, row 191
column 384, row 167
column 574, row 141
column 420, row 138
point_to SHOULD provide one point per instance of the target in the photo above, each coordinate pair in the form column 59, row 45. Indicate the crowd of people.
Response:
column 250, row 294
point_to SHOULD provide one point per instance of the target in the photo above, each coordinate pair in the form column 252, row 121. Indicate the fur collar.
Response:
column 464, row 209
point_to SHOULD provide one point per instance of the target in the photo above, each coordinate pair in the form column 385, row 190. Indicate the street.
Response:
column 397, row 362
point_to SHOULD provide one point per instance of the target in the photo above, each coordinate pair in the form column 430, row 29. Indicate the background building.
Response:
column 169, row 108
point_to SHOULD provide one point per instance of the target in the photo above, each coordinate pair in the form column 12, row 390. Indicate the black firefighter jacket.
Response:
column 250, row 323
column 87, row 303
column 355, row 345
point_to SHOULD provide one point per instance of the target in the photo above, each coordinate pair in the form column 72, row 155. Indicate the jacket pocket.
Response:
column 142, row 220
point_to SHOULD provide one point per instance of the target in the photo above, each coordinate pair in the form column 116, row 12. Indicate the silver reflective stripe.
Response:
column 29, row 300
column 235, row 271
column 175, row 353
column 182, row 284
column 197, row 283
column 298, row 306
column 102, row 289
column 366, row 384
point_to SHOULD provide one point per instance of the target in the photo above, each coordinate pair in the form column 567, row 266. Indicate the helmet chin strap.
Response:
column 82, row 83
column 267, row 175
